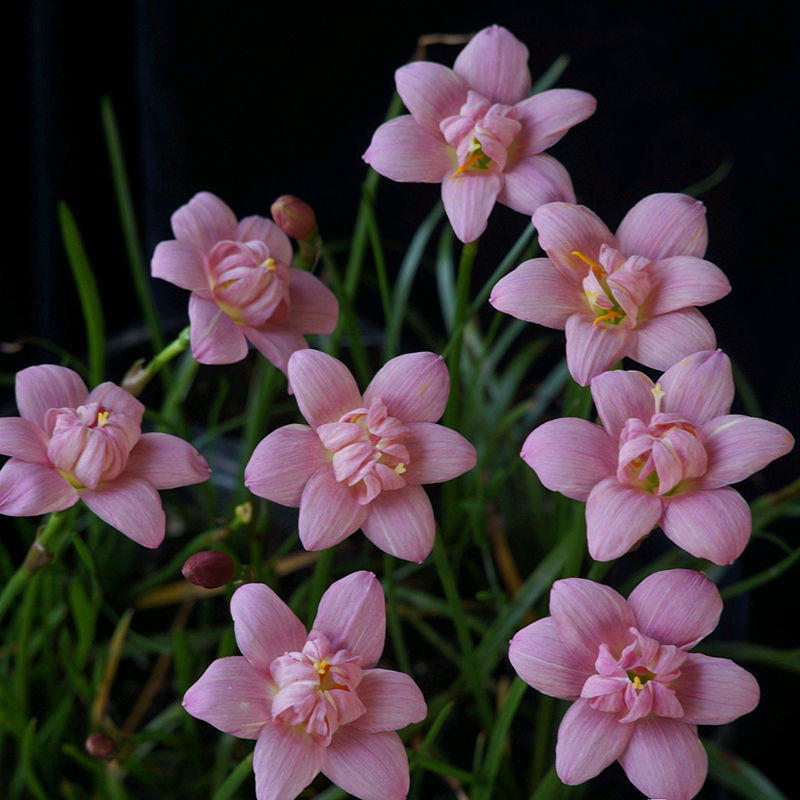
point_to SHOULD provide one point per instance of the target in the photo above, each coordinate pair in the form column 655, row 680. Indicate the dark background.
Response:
column 252, row 100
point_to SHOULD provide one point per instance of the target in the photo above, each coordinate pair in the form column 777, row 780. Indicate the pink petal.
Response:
column 676, row 606
column 401, row 523
column 283, row 462
column 430, row 92
column 617, row 516
column 216, row 338
column 265, row 230
column 22, row 439
column 132, row 506
column 684, row 281
column 699, row 387
column 620, row 395
column 115, row 398
column 313, row 306
column 540, row 658
column 537, row 291
column 714, row 691
column 738, row 446
column 352, row 614
column 166, row 461
column 329, row 511
column 534, row 181
column 662, row 341
column 547, row 116
column 468, row 200
column 265, row 627
column 47, row 386
column 285, row 761
column 370, row 766
column 180, row 263
column 402, row 150
column 414, row 387
column 588, row 614
column 231, row 696
column 392, row 700
column 323, row 386
column 204, row 221
column 713, row 524
column 27, row 490
column 276, row 343
column 588, row 741
column 664, row 225
column 664, row 758
column 570, row 455
column 495, row 63
column 436, row 453
column 592, row 349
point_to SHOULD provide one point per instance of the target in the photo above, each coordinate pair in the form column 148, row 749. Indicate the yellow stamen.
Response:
column 597, row 268
column 102, row 418
column 608, row 316
column 637, row 684
column 400, row 468
column 269, row 263
column 321, row 667
column 658, row 393
column 475, row 157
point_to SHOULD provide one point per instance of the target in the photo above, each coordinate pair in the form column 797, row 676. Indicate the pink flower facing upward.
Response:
column 639, row 694
column 242, row 285
column 71, row 444
column 314, row 702
column 630, row 294
column 664, row 455
column 475, row 130
column 362, row 460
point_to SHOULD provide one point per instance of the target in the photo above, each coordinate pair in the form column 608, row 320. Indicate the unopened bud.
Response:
column 243, row 513
column 98, row 745
column 294, row 216
column 136, row 378
column 209, row 569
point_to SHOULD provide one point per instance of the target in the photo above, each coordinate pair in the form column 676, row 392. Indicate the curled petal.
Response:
column 392, row 700
column 215, row 337
column 166, row 461
column 534, row 181
column 683, row 281
column 401, row 523
column 276, row 343
column 592, row 349
column 324, row 388
column 430, row 92
column 21, row 439
column 468, row 200
column 204, row 221
column 662, row 341
column 620, row 395
column 265, row 230
column 436, row 453
column 180, row 263
column 285, row 761
column 47, row 386
column 329, row 511
column 115, row 398
column 314, row 307
column 700, row 387
column 29, row 489
column 547, row 116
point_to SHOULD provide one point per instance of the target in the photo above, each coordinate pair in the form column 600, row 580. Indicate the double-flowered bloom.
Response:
column 313, row 701
column 360, row 461
column 71, row 444
column 475, row 130
column 664, row 455
column 632, row 293
column 639, row 693
column 243, row 287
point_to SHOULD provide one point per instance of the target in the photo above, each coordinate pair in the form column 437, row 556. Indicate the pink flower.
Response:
column 71, row 444
column 632, row 294
column 664, row 455
column 242, row 285
column 362, row 460
column 639, row 694
column 314, row 702
column 475, row 130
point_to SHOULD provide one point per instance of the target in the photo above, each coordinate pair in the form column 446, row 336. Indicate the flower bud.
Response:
column 294, row 216
column 98, row 745
column 209, row 569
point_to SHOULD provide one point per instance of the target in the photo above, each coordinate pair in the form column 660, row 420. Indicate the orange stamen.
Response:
column 597, row 269
column 608, row 315
column 477, row 156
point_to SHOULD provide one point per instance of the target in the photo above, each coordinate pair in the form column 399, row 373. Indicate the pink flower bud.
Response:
column 98, row 745
column 294, row 216
column 209, row 569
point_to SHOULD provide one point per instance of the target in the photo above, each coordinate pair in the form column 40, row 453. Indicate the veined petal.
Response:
column 216, row 338
column 533, row 181
column 21, row 439
column 285, row 761
column 430, row 92
column 662, row 341
column 115, row 398
column 313, row 306
column 323, row 386
column 436, row 453
column 593, row 349
column 700, row 387
column 204, row 221
column 620, row 395
column 276, row 343
column 401, row 523
column 166, row 461
column 392, row 700
column 47, row 386
column 328, row 511
column 683, row 281
column 265, row 230
column 547, row 116
column 29, row 489
column 180, row 263
column 468, row 200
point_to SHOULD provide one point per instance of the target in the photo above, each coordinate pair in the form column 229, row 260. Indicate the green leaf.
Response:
column 739, row 777
column 239, row 775
column 788, row 660
column 84, row 613
column 551, row 788
column 551, row 75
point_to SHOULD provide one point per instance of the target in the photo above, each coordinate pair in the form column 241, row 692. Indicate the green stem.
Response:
column 319, row 582
column 392, row 616
column 138, row 376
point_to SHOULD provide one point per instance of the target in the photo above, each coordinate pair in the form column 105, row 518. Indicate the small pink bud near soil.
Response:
column 294, row 216
column 99, row 745
column 209, row 569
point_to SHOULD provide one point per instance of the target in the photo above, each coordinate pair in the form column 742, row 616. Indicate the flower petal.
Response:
column 115, row 398
column 683, row 281
column 328, row 511
column 541, row 659
column 47, row 386
column 323, row 386
column 285, row 761
column 276, row 343
column 547, row 116
column 414, row 387
column 231, row 696
column 495, row 63
column 713, row 524
column 204, row 221
column 534, row 181
column 180, row 263
column 592, row 349
column 436, row 453
column 132, row 506
column 313, row 306
column 215, row 337
column 570, row 455
column 676, row 606
column 664, row 758
column 401, row 523
column 468, row 200
column 617, row 516
column 370, row 766
column 392, row 700
column 166, row 461
column 265, row 230
column 29, row 489
column 265, row 627
column 664, row 225
column 662, row 341
column 588, row 741
column 21, row 439
column 430, row 92
column 699, row 387
column 714, row 691
column 620, row 395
